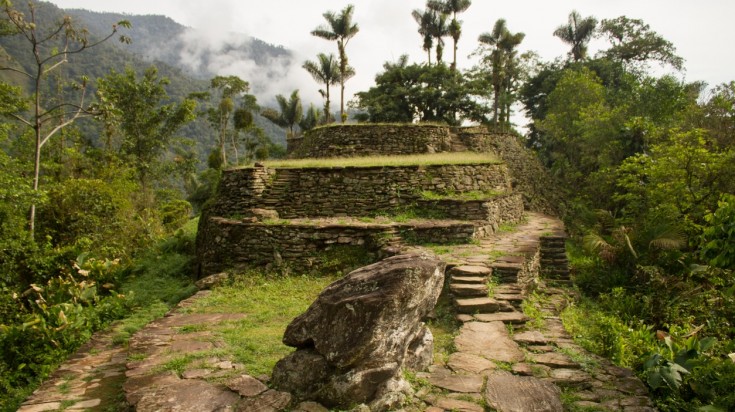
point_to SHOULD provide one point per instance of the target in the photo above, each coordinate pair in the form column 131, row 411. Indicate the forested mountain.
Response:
column 160, row 39
column 155, row 40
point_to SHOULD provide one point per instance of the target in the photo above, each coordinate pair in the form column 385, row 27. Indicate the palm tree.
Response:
column 341, row 29
column 452, row 7
column 497, row 59
column 439, row 29
column 577, row 32
column 508, row 43
column 425, row 20
column 290, row 114
column 325, row 71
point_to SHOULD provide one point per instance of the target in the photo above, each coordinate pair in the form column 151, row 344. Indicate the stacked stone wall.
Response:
column 529, row 176
column 224, row 243
column 497, row 210
column 370, row 140
column 347, row 191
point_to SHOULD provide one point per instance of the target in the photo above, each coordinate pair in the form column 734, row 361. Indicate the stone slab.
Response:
column 477, row 305
column 457, row 383
column 509, row 393
column 530, row 338
column 473, row 280
column 505, row 317
column 449, row 404
column 470, row 270
column 469, row 290
column 246, row 385
column 554, row 360
column 188, row 395
column 462, row 362
column 488, row 340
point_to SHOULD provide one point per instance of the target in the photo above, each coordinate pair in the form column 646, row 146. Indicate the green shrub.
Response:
column 718, row 238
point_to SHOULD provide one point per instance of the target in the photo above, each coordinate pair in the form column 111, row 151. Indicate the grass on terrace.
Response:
column 453, row 158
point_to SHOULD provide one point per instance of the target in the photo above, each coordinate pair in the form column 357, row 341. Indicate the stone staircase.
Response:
column 506, row 360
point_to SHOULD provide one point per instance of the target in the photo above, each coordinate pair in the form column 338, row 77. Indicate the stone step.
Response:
column 470, row 270
column 508, row 288
column 477, row 305
column 515, row 318
column 468, row 290
column 506, row 267
column 468, row 280
column 510, row 297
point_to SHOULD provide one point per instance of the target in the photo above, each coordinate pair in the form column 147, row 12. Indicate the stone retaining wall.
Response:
column 529, row 176
column 225, row 243
column 370, row 140
column 346, row 191
column 507, row 208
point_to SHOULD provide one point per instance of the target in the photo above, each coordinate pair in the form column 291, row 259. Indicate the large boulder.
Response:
column 361, row 331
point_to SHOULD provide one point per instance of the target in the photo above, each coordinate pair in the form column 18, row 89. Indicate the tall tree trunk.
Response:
column 454, row 62
column 327, row 115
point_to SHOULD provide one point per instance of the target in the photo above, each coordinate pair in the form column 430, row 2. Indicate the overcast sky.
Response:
column 702, row 31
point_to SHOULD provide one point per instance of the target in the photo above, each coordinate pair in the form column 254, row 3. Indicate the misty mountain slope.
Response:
column 152, row 32
column 199, row 54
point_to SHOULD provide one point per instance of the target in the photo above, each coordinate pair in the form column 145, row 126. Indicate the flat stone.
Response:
column 188, row 395
column 511, row 289
column 530, row 338
column 462, row 317
column 469, row 363
column 528, row 369
column 571, row 377
column 618, row 371
column 89, row 403
column 457, row 383
column 508, row 393
column 505, row 317
column 40, row 407
column 510, row 297
column 246, row 385
column 310, row 407
column 136, row 386
column 475, row 305
column 469, row 290
column 555, row 360
column 269, row 401
column 470, row 270
column 632, row 385
column 540, row 348
column 195, row 373
column 472, row 397
column 588, row 405
column 488, row 340
column 511, row 259
column 449, row 404
column 635, row 401
column 587, row 396
column 469, row 280
column 189, row 346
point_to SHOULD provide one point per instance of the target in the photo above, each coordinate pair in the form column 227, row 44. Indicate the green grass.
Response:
column 471, row 195
column 270, row 303
column 407, row 160
column 445, row 327
column 531, row 307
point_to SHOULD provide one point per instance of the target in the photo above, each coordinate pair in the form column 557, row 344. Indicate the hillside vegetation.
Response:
column 103, row 166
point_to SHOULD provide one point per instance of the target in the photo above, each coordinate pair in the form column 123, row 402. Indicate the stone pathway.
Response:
column 504, row 360
column 91, row 379
column 508, row 361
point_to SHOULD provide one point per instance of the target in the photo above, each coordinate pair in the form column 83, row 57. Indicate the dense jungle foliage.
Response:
column 95, row 216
